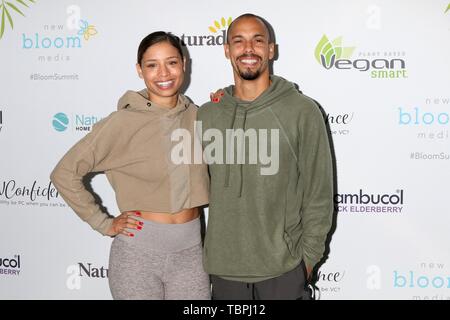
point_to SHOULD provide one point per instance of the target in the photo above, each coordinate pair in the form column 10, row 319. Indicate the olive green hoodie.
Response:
column 262, row 225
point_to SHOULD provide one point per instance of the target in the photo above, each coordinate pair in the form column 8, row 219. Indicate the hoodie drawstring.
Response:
column 241, row 167
column 227, row 167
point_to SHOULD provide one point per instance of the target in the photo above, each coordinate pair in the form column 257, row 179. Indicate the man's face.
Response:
column 248, row 48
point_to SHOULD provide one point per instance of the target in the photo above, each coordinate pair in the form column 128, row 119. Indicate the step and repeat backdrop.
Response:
column 380, row 69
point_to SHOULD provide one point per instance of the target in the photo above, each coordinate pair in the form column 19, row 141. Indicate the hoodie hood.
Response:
column 138, row 101
column 238, row 108
column 278, row 87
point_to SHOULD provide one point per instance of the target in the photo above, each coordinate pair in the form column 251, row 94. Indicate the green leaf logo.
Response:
column 448, row 8
column 327, row 52
column 7, row 7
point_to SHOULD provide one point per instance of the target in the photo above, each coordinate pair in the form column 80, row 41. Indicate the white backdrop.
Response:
column 386, row 94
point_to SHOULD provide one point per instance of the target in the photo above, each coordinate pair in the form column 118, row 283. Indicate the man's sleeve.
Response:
column 316, row 172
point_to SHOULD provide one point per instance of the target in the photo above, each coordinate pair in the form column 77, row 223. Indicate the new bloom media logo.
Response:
column 428, row 121
column 78, row 122
column 57, row 39
column 332, row 54
column 428, row 281
column 217, row 36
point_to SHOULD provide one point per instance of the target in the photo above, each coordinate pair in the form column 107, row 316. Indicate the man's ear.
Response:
column 226, row 48
column 139, row 70
column 271, row 50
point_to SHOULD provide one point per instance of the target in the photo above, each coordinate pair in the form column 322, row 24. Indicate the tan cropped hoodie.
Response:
column 133, row 147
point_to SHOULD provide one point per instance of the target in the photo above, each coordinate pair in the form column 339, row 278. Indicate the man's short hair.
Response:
column 251, row 15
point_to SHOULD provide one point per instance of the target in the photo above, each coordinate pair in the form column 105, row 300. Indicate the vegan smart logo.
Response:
column 327, row 52
column 8, row 10
column 78, row 122
column 217, row 37
column 332, row 54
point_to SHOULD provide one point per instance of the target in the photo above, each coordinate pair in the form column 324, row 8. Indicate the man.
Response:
column 271, row 205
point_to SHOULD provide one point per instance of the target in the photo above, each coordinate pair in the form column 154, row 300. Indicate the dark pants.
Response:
column 291, row 285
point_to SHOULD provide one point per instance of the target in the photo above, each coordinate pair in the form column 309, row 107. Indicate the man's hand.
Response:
column 216, row 96
column 308, row 273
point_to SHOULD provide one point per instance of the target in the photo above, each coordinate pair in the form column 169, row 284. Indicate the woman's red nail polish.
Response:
column 215, row 100
column 222, row 93
column 141, row 223
column 138, row 213
column 139, row 227
column 131, row 234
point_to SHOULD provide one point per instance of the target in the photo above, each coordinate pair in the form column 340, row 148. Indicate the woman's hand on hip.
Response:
column 126, row 221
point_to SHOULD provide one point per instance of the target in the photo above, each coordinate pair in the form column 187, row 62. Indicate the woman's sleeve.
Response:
column 90, row 154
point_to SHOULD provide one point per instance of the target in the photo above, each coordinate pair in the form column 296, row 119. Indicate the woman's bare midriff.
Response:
column 183, row 216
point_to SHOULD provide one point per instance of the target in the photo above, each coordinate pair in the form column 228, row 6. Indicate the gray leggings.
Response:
column 162, row 261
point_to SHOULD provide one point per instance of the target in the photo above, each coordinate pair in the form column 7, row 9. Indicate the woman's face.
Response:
column 162, row 69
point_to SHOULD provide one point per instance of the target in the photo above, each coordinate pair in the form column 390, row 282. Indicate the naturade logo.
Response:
column 8, row 8
column 217, row 38
column 61, row 122
column 332, row 54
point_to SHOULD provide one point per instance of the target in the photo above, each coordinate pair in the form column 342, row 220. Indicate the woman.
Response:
column 157, row 251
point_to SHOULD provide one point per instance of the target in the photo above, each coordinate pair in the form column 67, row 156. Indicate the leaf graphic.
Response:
column 229, row 21
column 22, row 3
column 5, row 12
column 217, row 24
column 212, row 29
column 328, row 56
column 448, row 8
column 15, row 8
column 83, row 24
column 224, row 23
column 2, row 28
column 323, row 41
column 347, row 52
column 91, row 30
column 9, row 17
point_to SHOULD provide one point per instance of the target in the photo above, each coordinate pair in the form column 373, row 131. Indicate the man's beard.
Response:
column 249, row 75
